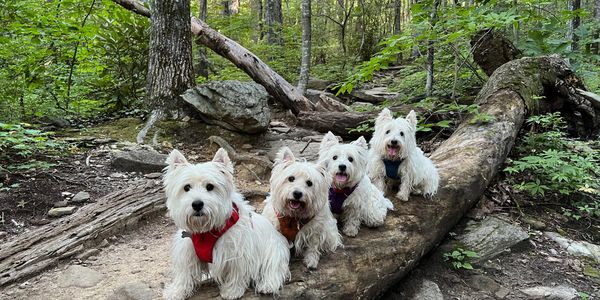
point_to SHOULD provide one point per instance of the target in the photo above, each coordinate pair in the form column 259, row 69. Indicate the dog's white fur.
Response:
column 251, row 251
column 320, row 234
column 417, row 173
column 366, row 204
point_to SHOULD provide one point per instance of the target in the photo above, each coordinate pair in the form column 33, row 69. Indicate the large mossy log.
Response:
column 259, row 71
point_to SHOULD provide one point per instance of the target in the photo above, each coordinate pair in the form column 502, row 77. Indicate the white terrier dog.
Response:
column 298, row 207
column 219, row 233
column 394, row 157
column 352, row 194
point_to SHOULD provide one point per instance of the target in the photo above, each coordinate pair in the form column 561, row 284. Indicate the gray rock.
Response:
column 61, row 211
column 61, row 203
column 483, row 283
column 375, row 95
column 318, row 84
column 153, row 175
column 55, row 121
column 428, row 290
column 231, row 104
column 141, row 158
column 491, row 237
column 576, row 248
column 81, row 197
column 502, row 292
column 311, row 153
column 315, row 96
column 560, row 292
column 133, row 291
column 79, row 276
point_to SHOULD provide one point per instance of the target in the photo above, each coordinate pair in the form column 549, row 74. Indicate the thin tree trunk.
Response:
column 515, row 28
column 170, row 71
column 457, row 63
column 226, row 8
column 234, row 7
column 398, row 23
column 257, row 15
column 596, row 45
column 273, row 21
column 431, row 50
column 203, row 63
column 573, row 25
column 306, row 46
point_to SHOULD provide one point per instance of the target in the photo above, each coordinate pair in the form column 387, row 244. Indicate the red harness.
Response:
column 204, row 242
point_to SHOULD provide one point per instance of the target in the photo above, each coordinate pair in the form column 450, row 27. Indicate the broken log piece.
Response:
column 260, row 72
column 340, row 123
column 491, row 50
column 30, row 253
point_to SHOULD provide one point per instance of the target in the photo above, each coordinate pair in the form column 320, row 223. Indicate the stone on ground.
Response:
column 576, row 248
column 133, row 291
column 560, row 292
column 231, row 104
column 81, row 197
column 311, row 153
column 491, row 237
column 428, row 290
column 79, row 276
column 375, row 95
column 139, row 158
column 61, row 211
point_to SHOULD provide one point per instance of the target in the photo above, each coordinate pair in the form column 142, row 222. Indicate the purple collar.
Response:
column 338, row 196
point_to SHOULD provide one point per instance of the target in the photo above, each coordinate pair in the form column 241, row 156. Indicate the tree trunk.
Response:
column 226, row 11
column 596, row 45
column 431, row 50
column 573, row 25
column 170, row 71
column 491, row 50
column 515, row 27
column 306, row 46
column 203, row 63
column 273, row 21
column 257, row 15
column 234, row 7
column 398, row 23
column 275, row 85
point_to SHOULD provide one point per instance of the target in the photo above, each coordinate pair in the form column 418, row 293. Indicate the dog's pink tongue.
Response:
column 295, row 204
column 392, row 151
column 341, row 177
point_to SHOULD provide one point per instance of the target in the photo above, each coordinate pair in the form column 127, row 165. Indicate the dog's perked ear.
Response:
column 222, row 157
column 285, row 156
column 412, row 119
column 361, row 142
column 384, row 115
column 329, row 140
column 176, row 159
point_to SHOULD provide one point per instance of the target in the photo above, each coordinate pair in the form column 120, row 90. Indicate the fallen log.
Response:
column 259, row 71
column 491, row 50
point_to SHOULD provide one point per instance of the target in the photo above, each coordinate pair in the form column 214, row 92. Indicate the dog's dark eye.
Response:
column 187, row 187
column 401, row 133
column 334, row 157
column 291, row 179
column 309, row 183
column 387, row 132
column 209, row 187
column 350, row 159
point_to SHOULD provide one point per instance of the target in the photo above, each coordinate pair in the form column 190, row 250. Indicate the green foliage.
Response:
column 22, row 141
column 460, row 258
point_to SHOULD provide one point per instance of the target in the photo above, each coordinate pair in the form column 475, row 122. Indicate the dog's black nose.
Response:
column 197, row 205
column 342, row 168
column 297, row 195
column 394, row 142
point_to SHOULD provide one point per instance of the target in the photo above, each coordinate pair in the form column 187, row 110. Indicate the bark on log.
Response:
column 491, row 50
column 260, row 72
column 28, row 254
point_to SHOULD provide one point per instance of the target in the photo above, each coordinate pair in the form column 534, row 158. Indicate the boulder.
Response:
column 231, row 104
column 428, row 290
column 491, row 237
column 139, row 158
column 576, row 248
column 560, row 292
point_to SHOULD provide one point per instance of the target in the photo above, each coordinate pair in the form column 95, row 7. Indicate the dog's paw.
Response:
column 232, row 292
column 402, row 196
column 311, row 260
column 350, row 231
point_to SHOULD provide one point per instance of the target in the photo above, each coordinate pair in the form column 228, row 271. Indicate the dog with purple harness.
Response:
column 352, row 195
